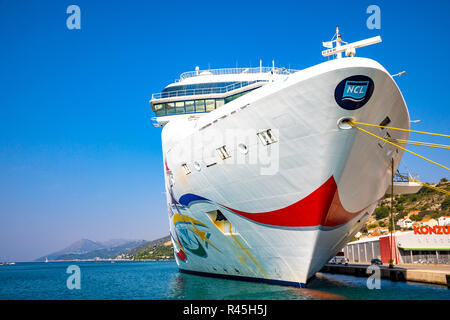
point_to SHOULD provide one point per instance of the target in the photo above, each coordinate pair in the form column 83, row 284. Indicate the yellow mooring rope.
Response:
column 424, row 184
column 352, row 123
column 393, row 128
column 429, row 186
column 420, row 143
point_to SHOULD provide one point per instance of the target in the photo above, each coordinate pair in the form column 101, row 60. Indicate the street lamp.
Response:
column 391, row 265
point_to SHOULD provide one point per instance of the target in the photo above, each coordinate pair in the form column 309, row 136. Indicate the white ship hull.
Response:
column 287, row 212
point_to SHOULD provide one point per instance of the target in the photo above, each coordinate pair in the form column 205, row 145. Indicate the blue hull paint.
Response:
column 244, row 278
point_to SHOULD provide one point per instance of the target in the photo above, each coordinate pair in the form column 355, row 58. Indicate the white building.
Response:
column 408, row 247
column 444, row 221
column 429, row 222
column 405, row 223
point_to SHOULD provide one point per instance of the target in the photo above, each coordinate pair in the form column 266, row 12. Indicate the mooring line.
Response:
column 401, row 129
column 352, row 123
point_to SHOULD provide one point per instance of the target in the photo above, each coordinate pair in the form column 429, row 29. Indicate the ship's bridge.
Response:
column 200, row 91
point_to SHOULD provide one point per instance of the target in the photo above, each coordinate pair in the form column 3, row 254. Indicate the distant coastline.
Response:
column 101, row 260
column 114, row 250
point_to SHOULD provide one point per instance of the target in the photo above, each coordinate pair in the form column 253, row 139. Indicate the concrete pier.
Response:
column 433, row 274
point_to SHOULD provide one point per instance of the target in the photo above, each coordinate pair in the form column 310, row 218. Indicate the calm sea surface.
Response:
column 161, row 280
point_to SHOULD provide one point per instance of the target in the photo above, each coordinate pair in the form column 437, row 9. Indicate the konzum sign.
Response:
column 432, row 230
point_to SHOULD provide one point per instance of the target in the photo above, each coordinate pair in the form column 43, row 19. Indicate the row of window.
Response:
column 200, row 86
column 266, row 138
column 192, row 106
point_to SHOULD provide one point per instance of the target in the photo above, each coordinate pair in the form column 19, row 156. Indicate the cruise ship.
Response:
column 265, row 178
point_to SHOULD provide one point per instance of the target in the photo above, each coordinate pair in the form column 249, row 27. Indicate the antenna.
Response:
column 348, row 48
column 338, row 43
column 399, row 74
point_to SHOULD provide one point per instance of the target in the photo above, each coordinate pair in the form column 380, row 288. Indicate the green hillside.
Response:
column 425, row 204
column 160, row 249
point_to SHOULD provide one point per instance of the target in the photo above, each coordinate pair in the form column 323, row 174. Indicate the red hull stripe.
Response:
column 181, row 255
column 321, row 207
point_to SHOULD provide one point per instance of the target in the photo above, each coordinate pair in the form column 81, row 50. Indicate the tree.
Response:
column 399, row 216
column 445, row 204
column 425, row 190
column 401, row 199
column 381, row 212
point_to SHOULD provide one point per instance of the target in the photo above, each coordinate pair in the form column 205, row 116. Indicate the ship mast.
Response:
column 338, row 43
column 348, row 48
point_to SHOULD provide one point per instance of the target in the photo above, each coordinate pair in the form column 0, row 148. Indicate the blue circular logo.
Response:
column 353, row 92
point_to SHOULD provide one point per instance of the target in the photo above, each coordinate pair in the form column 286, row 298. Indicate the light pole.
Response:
column 391, row 265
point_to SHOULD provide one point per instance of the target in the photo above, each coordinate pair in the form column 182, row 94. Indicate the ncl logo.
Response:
column 355, row 90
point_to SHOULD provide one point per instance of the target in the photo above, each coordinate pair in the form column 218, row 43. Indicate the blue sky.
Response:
column 78, row 155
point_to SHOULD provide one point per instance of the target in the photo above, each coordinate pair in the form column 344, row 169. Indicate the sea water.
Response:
column 132, row 280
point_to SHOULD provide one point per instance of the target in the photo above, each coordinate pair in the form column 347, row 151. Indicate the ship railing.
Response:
column 404, row 177
column 199, row 91
column 196, row 73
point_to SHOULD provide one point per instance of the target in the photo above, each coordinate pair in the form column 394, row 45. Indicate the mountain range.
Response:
column 88, row 249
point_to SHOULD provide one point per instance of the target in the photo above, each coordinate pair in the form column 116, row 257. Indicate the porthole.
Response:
column 243, row 148
column 197, row 166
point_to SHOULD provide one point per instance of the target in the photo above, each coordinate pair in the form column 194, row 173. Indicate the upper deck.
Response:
column 246, row 71
column 202, row 81
column 205, row 90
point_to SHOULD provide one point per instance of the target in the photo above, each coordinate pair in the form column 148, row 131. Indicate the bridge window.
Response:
column 199, row 105
column 209, row 104
column 190, row 107
column 170, row 107
column 233, row 97
column 219, row 103
column 160, row 109
column 179, row 107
